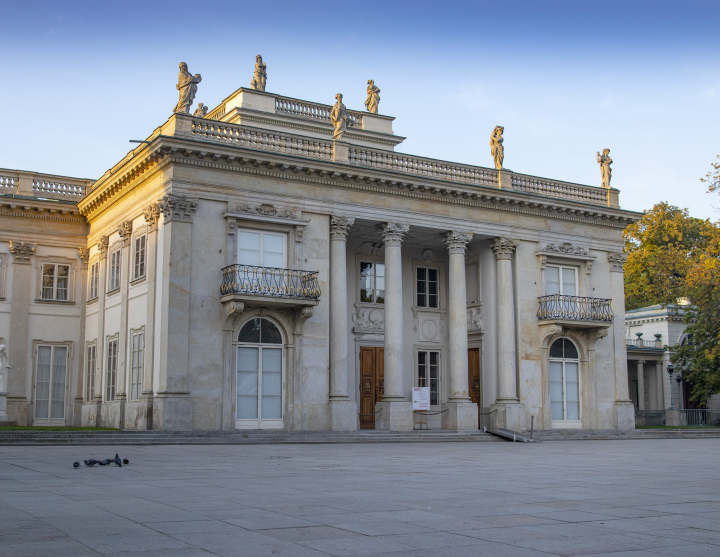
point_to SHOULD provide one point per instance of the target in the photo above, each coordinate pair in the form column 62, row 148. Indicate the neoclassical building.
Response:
column 243, row 270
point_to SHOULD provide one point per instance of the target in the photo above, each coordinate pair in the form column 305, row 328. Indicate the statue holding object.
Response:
column 201, row 111
column 605, row 162
column 260, row 76
column 187, row 86
column 339, row 118
column 373, row 97
column 496, row 147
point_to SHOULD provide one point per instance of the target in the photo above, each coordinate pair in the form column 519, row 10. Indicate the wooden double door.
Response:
column 372, row 382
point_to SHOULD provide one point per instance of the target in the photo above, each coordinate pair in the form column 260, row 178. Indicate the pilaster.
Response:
column 624, row 408
column 641, row 384
column 152, row 216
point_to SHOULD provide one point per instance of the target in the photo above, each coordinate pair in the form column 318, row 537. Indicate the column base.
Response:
column 508, row 416
column 17, row 410
column 113, row 414
column 460, row 416
column 172, row 412
column 394, row 415
column 90, row 414
column 139, row 413
column 625, row 414
column 674, row 418
column 343, row 415
column 3, row 407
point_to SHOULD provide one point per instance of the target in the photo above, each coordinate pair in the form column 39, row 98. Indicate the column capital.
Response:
column 84, row 255
column 125, row 231
column 152, row 215
column 339, row 227
column 504, row 247
column 177, row 208
column 393, row 232
column 617, row 261
column 457, row 241
column 22, row 251
column 640, row 362
column 102, row 246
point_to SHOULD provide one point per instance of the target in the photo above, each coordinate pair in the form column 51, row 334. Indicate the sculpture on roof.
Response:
column 496, row 146
column 605, row 162
column 201, row 111
column 373, row 97
column 187, row 86
column 339, row 118
column 260, row 76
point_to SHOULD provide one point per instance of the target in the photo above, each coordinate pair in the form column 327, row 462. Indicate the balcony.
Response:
column 641, row 344
column 575, row 311
column 269, row 286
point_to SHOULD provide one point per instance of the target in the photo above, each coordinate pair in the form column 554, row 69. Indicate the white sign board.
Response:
column 421, row 398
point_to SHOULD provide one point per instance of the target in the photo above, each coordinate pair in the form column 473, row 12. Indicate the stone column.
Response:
column 152, row 215
column 641, row 384
column 172, row 405
column 624, row 409
column 395, row 411
column 461, row 413
column 659, row 372
column 343, row 410
column 94, row 415
column 18, row 343
column 77, row 411
column 116, row 408
column 666, row 380
column 508, row 412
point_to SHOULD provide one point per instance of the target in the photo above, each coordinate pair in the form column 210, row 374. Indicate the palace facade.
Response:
column 244, row 271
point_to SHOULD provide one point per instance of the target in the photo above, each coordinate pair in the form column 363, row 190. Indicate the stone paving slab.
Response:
column 631, row 498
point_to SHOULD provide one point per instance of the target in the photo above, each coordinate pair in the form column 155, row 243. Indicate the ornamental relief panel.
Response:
column 368, row 319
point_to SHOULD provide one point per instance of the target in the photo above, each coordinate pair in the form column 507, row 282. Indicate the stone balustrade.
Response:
column 47, row 186
column 565, row 190
column 312, row 111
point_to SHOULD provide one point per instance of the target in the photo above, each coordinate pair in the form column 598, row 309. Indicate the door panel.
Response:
column 474, row 379
column 372, row 384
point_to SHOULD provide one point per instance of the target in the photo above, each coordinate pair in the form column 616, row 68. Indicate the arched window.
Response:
column 564, row 383
column 259, row 375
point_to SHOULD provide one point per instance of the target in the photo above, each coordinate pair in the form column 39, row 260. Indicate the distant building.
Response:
column 243, row 270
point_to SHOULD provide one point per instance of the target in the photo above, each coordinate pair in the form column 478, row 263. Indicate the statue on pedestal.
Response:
column 496, row 146
column 260, row 76
column 201, row 111
column 339, row 117
column 373, row 97
column 605, row 162
column 187, row 86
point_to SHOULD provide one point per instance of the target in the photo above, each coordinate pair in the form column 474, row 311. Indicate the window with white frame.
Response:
column 139, row 257
column 560, row 280
column 426, row 285
column 564, row 382
column 50, row 381
column 111, row 369
column 90, row 363
column 55, row 282
column 114, row 278
column 372, row 282
column 137, row 349
column 428, row 371
column 93, row 281
column 261, row 249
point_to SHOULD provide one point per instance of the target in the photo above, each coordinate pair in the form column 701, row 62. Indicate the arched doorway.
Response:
column 564, row 366
column 260, row 375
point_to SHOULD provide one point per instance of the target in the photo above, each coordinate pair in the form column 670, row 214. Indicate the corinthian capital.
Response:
column 617, row 261
column 504, row 247
column 457, row 241
column 22, row 251
column 102, row 245
column 152, row 214
column 125, row 230
column 393, row 233
column 339, row 227
column 177, row 207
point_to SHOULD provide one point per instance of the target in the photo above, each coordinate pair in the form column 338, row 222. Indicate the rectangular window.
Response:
column 50, row 385
column 372, row 282
column 139, row 268
column 93, row 282
column 136, row 365
column 427, row 287
column 90, row 372
column 560, row 280
column 55, row 282
column 111, row 369
column 114, row 271
column 261, row 249
column 429, row 373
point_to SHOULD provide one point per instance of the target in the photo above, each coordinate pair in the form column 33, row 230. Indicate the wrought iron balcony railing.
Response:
column 574, row 308
column 270, row 281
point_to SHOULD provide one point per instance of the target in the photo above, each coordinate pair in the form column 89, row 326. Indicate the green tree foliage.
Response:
column 661, row 248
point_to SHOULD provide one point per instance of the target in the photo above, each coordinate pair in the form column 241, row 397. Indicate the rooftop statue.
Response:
column 496, row 146
column 605, row 162
column 339, row 117
column 187, row 86
column 260, row 76
column 373, row 98
column 201, row 111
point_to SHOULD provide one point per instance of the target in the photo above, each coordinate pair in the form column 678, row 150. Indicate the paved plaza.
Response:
column 619, row 498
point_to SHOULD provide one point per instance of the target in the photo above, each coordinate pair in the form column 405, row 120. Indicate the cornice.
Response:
column 29, row 208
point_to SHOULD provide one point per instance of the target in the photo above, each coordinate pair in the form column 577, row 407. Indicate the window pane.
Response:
column 247, row 406
column 432, row 287
column 380, row 284
column 380, row 269
column 250, row 331
column 380, row 296
column 275, row 260
column 63, row 272
column 556, row 350
column 552, row 280
column 58, row 382
column 568, row 279
column 569, row 349
column 272, row 243
column 421, row 299
column 272, row 359
column 432, row 301
column 269, row 333
column 42, row 382
column 556, row 411
column 48, row 282
column 247, row 383
column 248, row 248
column 366, row 296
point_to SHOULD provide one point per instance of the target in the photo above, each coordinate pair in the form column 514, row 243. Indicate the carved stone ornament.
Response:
column 187, row 88
column 393, row 232
column 504, row 247
column 266, row 210
column 299, row 232
column 369, row 319
column 22, row 251
column 152, row 215
column 125, row 231
column 543, row 261
column 617, row 261
column 602, row 332
column 588, row 267
column 568, row 248
column 428, row 255
column 102, row 245
column 84, row 255
column 339, row 227
column 457, row 241
column 475, row 319
column 177, row 208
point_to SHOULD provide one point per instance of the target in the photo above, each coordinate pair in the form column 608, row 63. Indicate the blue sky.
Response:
column 565, row 78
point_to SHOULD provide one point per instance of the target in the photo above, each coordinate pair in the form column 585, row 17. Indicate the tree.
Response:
column 712, row 178
column 661, row 247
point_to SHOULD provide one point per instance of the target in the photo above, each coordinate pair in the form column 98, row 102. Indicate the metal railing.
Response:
column 574, row 308
column 701, row 417
column 270, row 281
column 649, row 418
column 641, row 344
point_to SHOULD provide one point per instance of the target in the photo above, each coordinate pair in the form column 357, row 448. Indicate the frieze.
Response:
column 368, row 319
column 266, row 210
column 566, row 248
column 475, row 318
